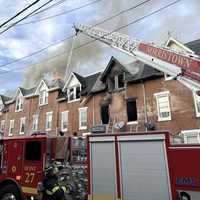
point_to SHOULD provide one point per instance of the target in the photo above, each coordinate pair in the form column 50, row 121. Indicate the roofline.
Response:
column 71, row 74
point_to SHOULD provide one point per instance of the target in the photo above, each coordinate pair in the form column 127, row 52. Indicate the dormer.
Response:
column 43, row 92
column 172, row 43
column 176, row 45
column 19, row 100
column 73, row 87
column 114, row 75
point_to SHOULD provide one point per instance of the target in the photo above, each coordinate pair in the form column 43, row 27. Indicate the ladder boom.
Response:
column 182, row 65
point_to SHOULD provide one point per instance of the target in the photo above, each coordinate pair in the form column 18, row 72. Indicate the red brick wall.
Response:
column 181, row 101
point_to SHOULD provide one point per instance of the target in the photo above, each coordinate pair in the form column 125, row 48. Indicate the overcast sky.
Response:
column 182, row 20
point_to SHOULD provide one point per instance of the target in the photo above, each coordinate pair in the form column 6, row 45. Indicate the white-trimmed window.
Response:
column 22, row 125
column 163, row 106
column 19, row 104
column 197, row 104
column 11, row 127
column 191, row 136
column 82, row 118
column 73, row 93
column 49, row 118
column 64, row 120
column 43, row 97
column 2, row 125
column 35, row 122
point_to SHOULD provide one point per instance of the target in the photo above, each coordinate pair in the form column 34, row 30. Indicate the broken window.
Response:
column 33, row 151
column 116, row 82
column 105, row 114
column 131, row 110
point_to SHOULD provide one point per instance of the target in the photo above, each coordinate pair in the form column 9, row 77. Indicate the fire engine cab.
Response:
column 23, row 161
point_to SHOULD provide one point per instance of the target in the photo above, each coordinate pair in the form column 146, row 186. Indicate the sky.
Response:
column 181, row 20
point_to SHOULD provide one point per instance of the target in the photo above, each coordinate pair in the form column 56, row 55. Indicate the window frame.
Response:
column 12, row 121
column 22, row 119
column 62, row 120
column 157, row 96
column 46, row 122
column 192, row 132
column 80, row 111
column 35, row 118
column 19, row 102
column 44, row 95
column 3, row 122
column 74, row 93
column 196, row 101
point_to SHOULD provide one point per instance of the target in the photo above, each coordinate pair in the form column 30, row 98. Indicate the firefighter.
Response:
column 51, row 188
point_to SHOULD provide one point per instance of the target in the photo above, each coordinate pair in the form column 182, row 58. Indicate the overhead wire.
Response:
column 12, row 25
column 71, row 36
column 57, row 15
column 19, row 13
column 89, row 42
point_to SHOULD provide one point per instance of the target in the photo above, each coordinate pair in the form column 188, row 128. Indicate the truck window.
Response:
column 33, row 151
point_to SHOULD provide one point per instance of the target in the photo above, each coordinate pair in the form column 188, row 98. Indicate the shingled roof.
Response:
column 194, row 45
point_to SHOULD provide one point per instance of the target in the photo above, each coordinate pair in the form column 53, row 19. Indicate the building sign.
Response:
column 191, row 66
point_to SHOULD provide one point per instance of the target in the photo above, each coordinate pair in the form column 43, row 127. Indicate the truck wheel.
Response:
column 9, row 192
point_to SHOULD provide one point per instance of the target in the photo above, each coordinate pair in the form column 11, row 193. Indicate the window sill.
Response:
column 198, row 115
column 21, row 133
column 64, row 130
column 48, row 129
column 43, row 104
column 83, row 128
column 164, row 120
column 10, row 135
column 18, row 110
column 132, row 123
column 71, row 101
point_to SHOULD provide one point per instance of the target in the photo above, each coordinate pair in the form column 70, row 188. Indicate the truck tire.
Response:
column 9, row 192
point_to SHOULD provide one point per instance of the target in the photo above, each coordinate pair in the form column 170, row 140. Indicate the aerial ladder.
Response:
column 183, row 66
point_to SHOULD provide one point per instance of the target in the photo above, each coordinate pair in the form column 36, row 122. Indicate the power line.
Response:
column 69, row 37
column 19, row 13
column 59, row 14
column 49, row 7
column 87, row 43
column 12, row 25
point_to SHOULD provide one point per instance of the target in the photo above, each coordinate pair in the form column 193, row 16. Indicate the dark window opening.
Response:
column 105, row 114
column 1, row 155
column 120, row 80
column 131, row 110
column 33, row 150
column 78, row 92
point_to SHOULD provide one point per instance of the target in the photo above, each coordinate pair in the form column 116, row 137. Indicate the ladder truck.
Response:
column 143, row 166
column 183, row 66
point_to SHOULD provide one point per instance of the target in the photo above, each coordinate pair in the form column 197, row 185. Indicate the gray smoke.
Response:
column 83, row 60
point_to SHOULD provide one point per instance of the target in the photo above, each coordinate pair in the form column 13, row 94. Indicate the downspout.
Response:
column 145, row 105
column 93, row 111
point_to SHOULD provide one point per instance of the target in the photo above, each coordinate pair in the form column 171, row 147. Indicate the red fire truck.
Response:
column 23, row 161
column 142, row 166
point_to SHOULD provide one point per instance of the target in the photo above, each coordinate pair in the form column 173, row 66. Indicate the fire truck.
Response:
column 143, row 166
column 24, row 160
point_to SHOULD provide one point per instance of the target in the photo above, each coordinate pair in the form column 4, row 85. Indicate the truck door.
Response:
column 14, row 151
column 33, row 164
